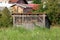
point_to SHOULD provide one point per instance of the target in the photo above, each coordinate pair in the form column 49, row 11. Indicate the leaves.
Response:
column 5, row 18
column 37, row 1
column 53, row 10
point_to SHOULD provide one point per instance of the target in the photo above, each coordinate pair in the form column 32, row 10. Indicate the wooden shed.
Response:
column 23, row 17
column 28, row 20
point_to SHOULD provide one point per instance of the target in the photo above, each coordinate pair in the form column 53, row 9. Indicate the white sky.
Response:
column 5, row 5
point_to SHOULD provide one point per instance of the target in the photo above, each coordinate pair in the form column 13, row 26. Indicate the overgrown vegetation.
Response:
column 51, row 8
column 5, row 18
column 53, row 11
column 37, row 1
column 23, row 34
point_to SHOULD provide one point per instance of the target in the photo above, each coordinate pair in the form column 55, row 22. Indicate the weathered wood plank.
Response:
column 29, row 20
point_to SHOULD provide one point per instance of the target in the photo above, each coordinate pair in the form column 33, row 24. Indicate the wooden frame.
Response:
column 30, row 19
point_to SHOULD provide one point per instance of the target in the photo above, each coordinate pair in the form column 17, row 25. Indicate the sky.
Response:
column 5, row 5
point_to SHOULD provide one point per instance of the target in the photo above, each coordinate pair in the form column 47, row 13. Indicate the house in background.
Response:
column 18, row 1
column 24, row 8
column 23, row 16
column 21, row 1
column 22, row 13
column 34, row 6
column 21, row 8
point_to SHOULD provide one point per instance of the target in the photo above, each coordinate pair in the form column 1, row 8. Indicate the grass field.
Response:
column 23, row 34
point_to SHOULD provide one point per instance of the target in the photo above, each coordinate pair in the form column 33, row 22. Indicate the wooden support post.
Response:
column 44, row 20
column 14, row 20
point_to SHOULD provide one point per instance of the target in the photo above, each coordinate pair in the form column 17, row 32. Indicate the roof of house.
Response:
column 13, row 1
column 22, row 5
column 33, row 6
column 18, row 1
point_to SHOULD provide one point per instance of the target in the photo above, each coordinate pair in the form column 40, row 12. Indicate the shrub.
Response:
column 6, row 18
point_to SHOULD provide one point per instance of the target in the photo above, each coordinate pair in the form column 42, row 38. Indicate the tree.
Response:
column 53, row 11
column 37, row 1
column 5, row 17
column 42, row 6
column 52, row 8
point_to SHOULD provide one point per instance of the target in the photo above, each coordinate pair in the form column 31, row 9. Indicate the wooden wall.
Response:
column 29, row 21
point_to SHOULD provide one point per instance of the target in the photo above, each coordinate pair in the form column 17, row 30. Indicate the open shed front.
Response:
column 29, row 20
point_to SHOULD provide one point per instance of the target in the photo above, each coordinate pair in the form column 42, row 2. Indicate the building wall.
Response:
column 27, row 10
column 20, row 10
column 16, row 9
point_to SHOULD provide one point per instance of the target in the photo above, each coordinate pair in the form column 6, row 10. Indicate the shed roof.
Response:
column 13, row 1
column 33, row 6
column 22, row 5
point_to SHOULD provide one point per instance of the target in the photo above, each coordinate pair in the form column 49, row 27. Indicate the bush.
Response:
column 52, row 9
column 5, row 18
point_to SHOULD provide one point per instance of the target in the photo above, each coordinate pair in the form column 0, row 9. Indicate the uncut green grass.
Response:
column 36, row 34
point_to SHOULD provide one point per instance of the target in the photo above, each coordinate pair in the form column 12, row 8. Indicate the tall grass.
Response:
column 24, row 34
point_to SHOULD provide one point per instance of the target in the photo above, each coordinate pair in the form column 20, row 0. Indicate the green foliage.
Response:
column 6, row 18
column 23, row 34
column 53, row 11
column 37, row 1
column 40, row 6
column 41, row 9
